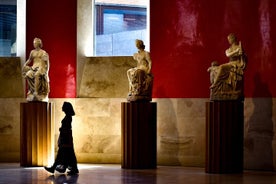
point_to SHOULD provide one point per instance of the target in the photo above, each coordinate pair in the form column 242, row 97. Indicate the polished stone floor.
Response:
column 12, row 173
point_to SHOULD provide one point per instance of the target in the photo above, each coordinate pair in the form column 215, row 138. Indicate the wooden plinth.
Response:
column 36, row 134
column 138, row 135
column 224, row 137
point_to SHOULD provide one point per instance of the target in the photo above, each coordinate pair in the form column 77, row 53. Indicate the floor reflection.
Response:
column 62, row 178
column 114, row 174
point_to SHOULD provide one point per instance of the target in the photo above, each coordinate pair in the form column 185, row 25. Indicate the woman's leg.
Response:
column 58, row 161
column 72, row 162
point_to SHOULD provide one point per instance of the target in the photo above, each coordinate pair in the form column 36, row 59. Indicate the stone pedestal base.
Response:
column 224, row 137
column 36, row 134
column 139, row 135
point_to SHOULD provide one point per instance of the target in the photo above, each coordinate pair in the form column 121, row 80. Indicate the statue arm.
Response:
column 135, row 56
column 237, row 52
column 46, row 60
column 149, row 61
column 29, row 59
column 230, row 53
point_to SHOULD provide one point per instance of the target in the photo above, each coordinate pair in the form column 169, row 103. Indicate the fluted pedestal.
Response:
column 224, row 137
column 138, row 135
column 36, row 134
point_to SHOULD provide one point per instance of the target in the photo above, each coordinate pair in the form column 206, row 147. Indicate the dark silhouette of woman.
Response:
column 66, row 157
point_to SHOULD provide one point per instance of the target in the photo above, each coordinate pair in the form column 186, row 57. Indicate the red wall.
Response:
column 186, row 35
column 55, row 22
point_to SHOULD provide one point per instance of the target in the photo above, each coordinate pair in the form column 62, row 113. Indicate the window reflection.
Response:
column 7, row 27
column 118, row 24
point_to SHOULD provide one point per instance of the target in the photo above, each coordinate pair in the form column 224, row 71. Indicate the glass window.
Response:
column 7, row 27
column 117, row 24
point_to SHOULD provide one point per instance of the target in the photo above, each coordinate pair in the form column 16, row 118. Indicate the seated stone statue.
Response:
column 37, row 74
column 227, row 79
column 140, row 78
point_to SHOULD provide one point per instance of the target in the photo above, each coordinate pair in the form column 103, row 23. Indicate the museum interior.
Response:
column 89, row 58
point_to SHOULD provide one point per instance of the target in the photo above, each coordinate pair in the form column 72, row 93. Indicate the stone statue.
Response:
column 227, row 79
column 37, row 74
column 140, row 78
column 213, row 69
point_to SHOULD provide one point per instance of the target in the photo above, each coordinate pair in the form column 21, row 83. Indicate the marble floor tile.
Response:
column 12, row 173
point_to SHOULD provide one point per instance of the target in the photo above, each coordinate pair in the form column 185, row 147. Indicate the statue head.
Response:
column 37, row 43
column 232, row 38
column 139, row 44
column 214, row 63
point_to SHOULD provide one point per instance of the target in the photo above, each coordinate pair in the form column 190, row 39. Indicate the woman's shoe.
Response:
column 61, row 168
column 50, row 169
column 73, row 172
